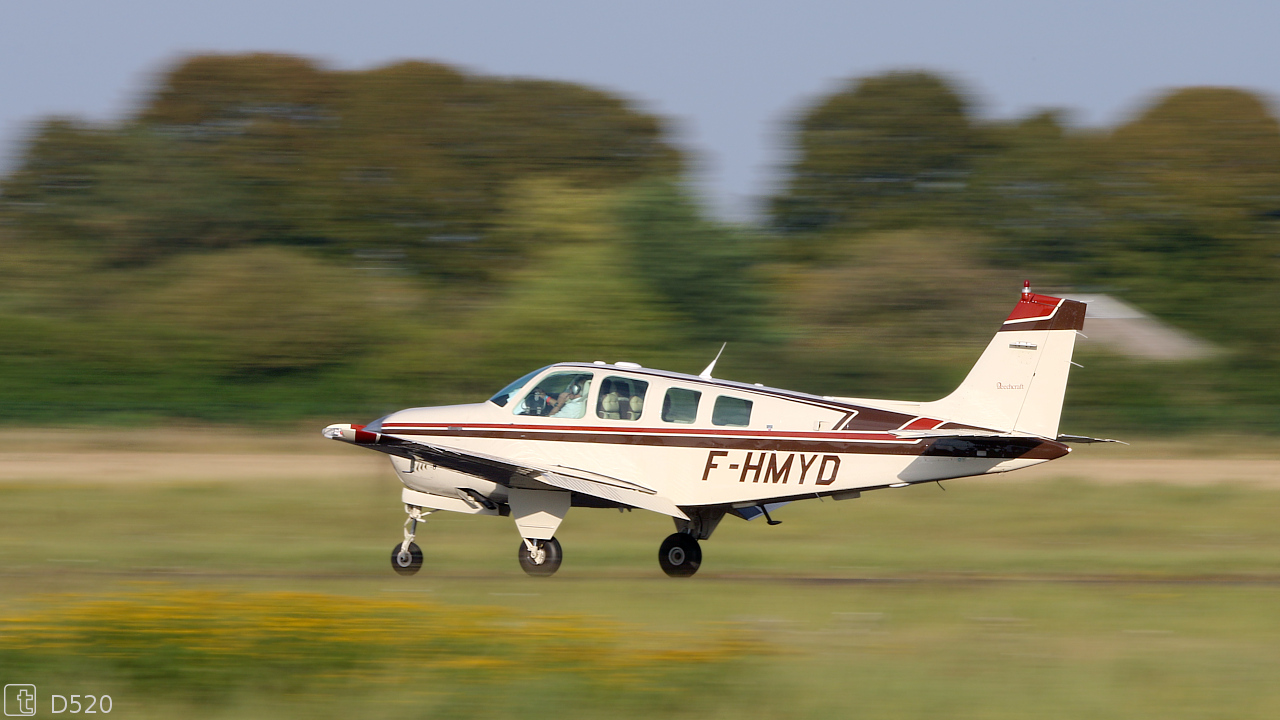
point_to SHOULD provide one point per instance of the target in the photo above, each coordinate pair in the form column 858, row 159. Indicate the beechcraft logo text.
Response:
column 19, row 700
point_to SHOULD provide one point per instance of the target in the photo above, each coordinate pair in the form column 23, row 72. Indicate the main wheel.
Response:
column 407, row 562
column 544, row 560
column 680, row 555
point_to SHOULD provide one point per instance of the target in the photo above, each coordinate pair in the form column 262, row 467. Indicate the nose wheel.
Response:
column 406, row 560
column 680, row 555
column 540, row 558
column 406, row 557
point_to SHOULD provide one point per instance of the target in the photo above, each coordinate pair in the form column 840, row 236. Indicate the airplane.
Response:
column 698, row 448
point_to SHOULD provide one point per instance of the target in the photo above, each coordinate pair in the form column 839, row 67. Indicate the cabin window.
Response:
column 559, row 395
column 621, row 398
column 680, row 405
column 731, row 412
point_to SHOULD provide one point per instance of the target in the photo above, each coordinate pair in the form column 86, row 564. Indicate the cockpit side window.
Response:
column 731, row 412
column 680, row 405
column 621, row 398
column 560, row 395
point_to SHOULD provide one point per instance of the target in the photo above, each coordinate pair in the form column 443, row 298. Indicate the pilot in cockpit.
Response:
column 562, row 395
column 572, row 403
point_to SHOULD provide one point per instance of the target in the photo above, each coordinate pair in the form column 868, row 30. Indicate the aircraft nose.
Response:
column 350, row 433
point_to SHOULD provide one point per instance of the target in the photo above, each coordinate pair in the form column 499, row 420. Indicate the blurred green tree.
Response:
column 256, row 311
column 1190, row 193
column 265, row 233
column 128, row 197
column 703, row 270
column 411, row 159
column 893, row 150
column 895, row 314
column 1036, row 195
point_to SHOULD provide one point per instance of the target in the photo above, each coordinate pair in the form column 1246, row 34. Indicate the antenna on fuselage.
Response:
column 706, row 374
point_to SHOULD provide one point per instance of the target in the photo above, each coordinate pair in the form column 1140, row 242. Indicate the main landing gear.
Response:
column 680, row 555
column 540, row 558
column 406, row 557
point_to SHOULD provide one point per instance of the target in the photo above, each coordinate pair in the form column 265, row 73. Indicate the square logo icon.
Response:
column 19, row 700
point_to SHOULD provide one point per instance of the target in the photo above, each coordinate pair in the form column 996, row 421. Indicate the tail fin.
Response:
column 1020, row 380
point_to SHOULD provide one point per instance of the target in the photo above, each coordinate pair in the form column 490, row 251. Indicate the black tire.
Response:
column 408, row 564
column 680, row 555
column 550, row 558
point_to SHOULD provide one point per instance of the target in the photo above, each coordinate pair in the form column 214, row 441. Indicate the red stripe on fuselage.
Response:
column 848, row 443
column 391, row 428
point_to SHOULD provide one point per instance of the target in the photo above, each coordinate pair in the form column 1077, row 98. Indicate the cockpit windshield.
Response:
column 504, row 395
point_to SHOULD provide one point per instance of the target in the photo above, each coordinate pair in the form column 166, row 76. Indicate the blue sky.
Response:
column 729, row 75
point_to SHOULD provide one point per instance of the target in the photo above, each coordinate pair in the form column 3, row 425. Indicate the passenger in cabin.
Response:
column 621, row 398
column 609, row 403
column 635, row 403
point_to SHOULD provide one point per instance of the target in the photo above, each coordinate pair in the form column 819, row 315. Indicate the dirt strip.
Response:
column 1177, row 471
column 379, row 576
column 165, row 468
column 160, row 467
column 182, row 455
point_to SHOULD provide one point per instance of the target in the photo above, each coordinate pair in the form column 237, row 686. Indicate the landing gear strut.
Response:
column 406, row 557
column 680, row 555
column 540, row 558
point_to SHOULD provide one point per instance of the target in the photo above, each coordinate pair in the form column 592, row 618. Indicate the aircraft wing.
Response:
column 501, row 470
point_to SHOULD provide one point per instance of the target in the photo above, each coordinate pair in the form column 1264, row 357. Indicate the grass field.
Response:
column 269, row 594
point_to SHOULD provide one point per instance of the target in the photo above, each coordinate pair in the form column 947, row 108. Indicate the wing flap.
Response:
column 625, row 496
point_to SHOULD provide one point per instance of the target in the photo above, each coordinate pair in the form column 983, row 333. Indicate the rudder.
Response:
column 1019, row 382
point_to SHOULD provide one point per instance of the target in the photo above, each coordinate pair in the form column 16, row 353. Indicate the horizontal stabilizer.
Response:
column 924, row 434
column 1085, row 439
column 751, row 512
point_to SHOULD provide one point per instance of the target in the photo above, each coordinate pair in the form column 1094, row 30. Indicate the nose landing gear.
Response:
column 406, row 557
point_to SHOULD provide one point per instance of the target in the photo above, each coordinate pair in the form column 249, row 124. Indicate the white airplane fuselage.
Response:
column 789, row 449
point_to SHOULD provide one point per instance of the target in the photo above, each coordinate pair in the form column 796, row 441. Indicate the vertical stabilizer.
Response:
column 1019, row 382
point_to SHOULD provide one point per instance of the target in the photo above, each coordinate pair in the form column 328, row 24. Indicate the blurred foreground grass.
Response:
column 226, row 650
column 1000, row 598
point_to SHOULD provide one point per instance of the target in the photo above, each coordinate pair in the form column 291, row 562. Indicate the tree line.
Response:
column 267, row 239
